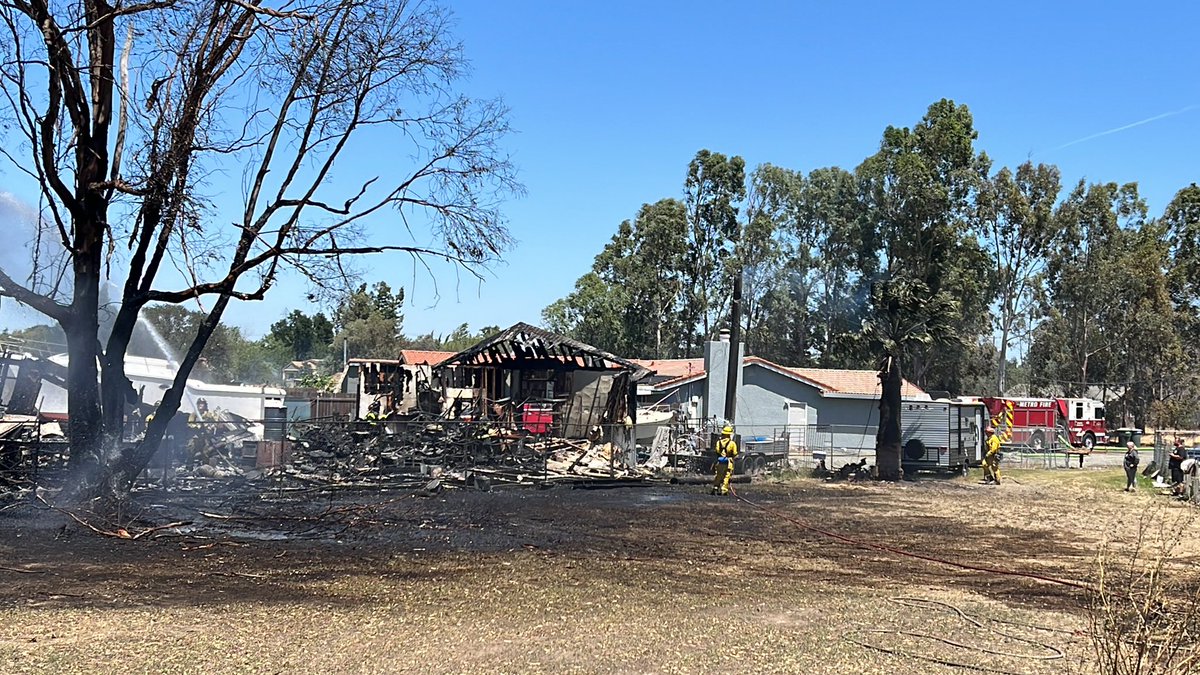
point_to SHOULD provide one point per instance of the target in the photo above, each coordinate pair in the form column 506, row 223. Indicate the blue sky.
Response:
column 611, row 100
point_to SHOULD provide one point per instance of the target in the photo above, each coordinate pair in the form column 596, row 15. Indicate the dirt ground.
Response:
column 658, row 579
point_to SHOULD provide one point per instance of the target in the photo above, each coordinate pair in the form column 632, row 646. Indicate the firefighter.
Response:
column 203, row 448
column 372, row 417
column 991, row 457
column 727, row 450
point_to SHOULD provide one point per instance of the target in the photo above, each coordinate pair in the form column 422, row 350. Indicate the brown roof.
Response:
column 672, row 368
column 853, row 381
column 828, row 380
column 423, row 357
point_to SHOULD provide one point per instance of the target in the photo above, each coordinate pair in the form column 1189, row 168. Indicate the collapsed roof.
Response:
column 526, row 347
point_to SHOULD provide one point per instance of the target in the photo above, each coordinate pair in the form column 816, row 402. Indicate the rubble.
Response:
column 448, row 454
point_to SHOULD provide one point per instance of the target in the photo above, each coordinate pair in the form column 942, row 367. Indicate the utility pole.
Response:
column 735, row 341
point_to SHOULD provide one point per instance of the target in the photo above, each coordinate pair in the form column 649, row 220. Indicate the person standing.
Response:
column 991, row 457
column 1131, row 464
column 727, row 450
column 1175, row 464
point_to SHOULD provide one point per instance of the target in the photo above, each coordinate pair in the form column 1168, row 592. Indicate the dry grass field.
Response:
column 660, row 579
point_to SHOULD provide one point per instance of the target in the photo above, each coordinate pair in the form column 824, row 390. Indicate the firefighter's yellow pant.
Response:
column 991, row 468
column 724, row 473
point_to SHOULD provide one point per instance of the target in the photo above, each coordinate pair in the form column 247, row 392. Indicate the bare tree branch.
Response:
column 10, row 288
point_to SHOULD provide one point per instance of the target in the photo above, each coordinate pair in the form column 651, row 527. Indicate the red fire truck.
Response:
column 1034, row 422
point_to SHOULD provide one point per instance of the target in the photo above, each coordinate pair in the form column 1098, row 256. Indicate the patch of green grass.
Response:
column 1101, row 479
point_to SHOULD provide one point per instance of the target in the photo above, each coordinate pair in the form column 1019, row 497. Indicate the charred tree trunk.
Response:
column 89, row 221
column 85, row 423
column 887, row 440
column 121, row 473
column 116, row 389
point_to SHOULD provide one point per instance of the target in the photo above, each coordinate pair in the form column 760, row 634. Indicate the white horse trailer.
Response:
column 941, row 435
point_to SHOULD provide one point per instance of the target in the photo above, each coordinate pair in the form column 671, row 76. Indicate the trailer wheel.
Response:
column 756, row 464
column 914, row 449
column 1037, row 439
column 1089, row 441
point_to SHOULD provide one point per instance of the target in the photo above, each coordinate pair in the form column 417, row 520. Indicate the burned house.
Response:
column 394, row 386
column 542, row 382
column 523, row 406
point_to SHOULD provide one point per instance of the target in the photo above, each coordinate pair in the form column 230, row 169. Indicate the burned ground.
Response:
column 659, row 578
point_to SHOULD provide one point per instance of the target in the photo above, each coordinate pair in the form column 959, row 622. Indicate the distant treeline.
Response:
column 1043, row 289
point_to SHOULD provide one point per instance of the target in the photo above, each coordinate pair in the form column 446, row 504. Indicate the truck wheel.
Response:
column 1089, row 441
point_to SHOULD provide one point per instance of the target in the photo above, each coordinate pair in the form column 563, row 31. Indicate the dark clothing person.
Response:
column 1175, row 463
column 1131, row 465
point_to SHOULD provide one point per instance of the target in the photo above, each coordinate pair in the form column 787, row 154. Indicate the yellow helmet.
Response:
column 728, row 430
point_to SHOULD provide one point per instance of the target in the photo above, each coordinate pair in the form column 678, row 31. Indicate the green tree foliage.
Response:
column 633, row 300
column 1075, row 343
column 1016, row 216
column 714, row 187
column 224, row 357
column 368, row 321
column 457, row 340
column 918, row 190
column 40, row 340
column 805, row 283
column 1148, row 354
column 776, row 261
column 1181, row 219
column 315, row 381
column 302, row 336
column 592, row 312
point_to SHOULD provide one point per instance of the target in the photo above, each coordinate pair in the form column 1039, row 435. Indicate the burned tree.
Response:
column 126, row 116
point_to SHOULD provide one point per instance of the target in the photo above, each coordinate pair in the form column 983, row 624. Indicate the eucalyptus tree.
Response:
column 1182, row 222
column 843, row 264
column 714, row 188
column 1074, row 346
column 632, row 300
column 1016, row 215
column 917, row 192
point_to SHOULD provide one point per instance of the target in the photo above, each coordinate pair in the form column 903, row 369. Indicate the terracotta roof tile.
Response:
column 831, row 380
column 853, row 381
column 672, row 368
column 423, row 356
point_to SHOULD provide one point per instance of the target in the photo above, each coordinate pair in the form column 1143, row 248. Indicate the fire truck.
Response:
column 1037, row 422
